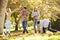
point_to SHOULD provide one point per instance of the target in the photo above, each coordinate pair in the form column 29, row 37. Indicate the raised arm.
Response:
column 8, row 10
column 15, row 10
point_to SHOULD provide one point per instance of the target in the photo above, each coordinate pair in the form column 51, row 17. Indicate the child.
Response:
column 38, row 26
column 4, row 31
column 8, row 27
column 8, row 22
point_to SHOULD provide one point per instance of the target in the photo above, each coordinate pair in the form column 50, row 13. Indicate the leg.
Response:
column 8, row 26
column 23, row 23
column 44, row 30
column 38, row 29
column 9, row 32
column 24, row 26
column 35, row 23
column 50, row 29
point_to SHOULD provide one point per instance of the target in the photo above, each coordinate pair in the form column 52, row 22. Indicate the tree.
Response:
column 3, row 5
column 50, row 7
column 15, row 16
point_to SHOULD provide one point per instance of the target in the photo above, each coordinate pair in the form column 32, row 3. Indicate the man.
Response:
column 35, row 16
column 45, row 24
column 24, row 15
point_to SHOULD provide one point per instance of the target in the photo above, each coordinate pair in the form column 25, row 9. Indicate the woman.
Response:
column 35, row 16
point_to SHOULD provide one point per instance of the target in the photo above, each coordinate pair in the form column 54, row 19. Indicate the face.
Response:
column 35, row 9
column 8, row 10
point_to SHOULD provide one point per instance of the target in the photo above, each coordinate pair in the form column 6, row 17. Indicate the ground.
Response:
column 17, row 35
column 32, row 36
column 36, row 37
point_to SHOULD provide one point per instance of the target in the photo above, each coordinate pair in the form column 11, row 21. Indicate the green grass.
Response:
column 34, row 37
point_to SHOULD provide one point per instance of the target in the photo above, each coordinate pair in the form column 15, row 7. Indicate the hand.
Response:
column 35, row 17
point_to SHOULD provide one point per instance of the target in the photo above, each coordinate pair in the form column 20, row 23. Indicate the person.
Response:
column 35, row 16
column 8, row 22
column 24, row 15
column 4, row 31
column 45, row 23
column 38, row 26
column 41, row 26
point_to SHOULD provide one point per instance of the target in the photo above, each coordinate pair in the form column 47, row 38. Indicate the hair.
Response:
column 38, row 22
column 8, row 10
column 4, row 27
column 25, row 8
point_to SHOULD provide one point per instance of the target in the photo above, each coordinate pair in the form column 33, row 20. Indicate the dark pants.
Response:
column 24, row 23
column 52, row 30
column 49, row 28
column 44, row 30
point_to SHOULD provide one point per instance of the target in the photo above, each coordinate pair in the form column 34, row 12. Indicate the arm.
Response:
column 39, row 14
column 28, row 15
column 32, row 15
column 8, row 11
column 20, row 13
column 15, row 10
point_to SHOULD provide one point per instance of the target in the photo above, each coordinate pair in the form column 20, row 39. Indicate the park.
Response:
column 19, row 16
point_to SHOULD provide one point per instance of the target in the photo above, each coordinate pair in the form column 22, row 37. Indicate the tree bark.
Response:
column 17, row 22
column 3, row 5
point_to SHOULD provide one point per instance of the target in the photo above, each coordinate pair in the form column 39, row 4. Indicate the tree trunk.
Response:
column 3, row 5
column 17, row 22
column 16, row 26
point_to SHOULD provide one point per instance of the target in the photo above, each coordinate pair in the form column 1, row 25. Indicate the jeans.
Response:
column 35, row 24
column 24, row 23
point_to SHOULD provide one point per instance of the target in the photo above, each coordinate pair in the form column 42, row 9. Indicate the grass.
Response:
column 32, row 35
column 35, row 37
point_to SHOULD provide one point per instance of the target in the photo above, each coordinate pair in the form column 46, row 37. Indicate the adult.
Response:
column 35, row 16
column 24, row 15
column 45, row 24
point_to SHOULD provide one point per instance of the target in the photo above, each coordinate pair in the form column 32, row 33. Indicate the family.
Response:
column 40, row 26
